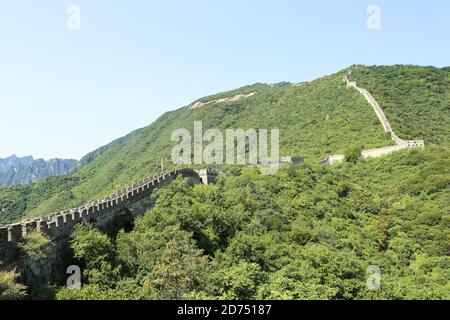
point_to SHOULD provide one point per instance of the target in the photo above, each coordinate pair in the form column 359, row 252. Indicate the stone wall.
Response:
column 374, row 153
column 334, row 158
column 382, row 117
column 399, row 143
column 208, row 176
column 58, row 226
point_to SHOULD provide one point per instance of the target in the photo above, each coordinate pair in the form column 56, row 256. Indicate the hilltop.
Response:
column 315, row 119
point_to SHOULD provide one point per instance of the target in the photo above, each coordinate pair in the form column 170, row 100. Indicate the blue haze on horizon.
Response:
column 64, row 93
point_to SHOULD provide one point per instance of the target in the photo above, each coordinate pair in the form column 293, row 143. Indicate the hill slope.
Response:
column 308, row 232
column 315, row 119
column 416, row 100
column 91, row 156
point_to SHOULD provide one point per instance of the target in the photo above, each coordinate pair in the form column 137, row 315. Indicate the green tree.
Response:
column 238, row 282
column 10, row 289
column 36, row 245
column 91, row 246
column 353, row 154
column 182, row 269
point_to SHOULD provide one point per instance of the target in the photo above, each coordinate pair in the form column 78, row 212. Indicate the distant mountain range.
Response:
column 19, row 171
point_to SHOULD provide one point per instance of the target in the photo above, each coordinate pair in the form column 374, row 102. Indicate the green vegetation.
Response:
column 35, row 245
column 17, row 200
column 309, row 232
column 90, row 245
column 352, row 154
column 9, row 288
column 315, row 119
column 416, row 100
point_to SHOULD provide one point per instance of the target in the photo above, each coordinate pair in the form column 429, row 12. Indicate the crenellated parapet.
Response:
column 60, row 224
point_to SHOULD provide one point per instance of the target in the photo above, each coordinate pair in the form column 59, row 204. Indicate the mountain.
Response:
column 315, row 119
column 14, row 161
column 19, row 171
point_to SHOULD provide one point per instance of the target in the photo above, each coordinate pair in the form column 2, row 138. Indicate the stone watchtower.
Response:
column 207, row 176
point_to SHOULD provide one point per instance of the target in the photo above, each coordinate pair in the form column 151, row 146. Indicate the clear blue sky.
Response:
column 64, row 93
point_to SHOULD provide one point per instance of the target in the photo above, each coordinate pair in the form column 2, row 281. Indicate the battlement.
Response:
column 60, row 224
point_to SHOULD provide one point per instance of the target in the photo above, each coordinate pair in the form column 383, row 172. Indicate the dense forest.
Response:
column 308, row 232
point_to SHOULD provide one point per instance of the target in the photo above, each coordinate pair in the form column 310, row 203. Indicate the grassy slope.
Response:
column 314, row 119
column 91, row 156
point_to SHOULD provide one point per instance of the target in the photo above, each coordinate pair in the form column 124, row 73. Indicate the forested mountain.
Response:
column 19, row 171
column 315, row 119
column 309, row 232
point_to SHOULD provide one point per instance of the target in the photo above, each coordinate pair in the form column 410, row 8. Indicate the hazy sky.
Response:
column 64, row 92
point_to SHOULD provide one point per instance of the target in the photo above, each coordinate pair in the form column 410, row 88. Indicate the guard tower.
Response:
column 207, row 176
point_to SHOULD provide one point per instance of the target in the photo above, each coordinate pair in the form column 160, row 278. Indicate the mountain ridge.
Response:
column 316, row 119
column 25, row 170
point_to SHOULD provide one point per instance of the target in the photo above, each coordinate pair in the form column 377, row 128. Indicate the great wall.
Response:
column 400, row 144
column 102, row 210
column 58, row 226
column 134, row 200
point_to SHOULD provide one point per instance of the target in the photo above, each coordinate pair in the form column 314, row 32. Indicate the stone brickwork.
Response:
column 59, row 225
column 208, row 176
